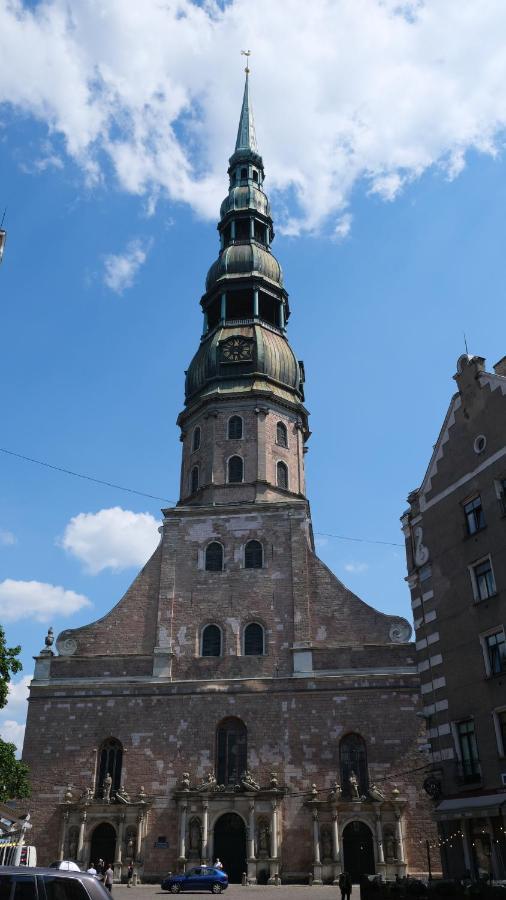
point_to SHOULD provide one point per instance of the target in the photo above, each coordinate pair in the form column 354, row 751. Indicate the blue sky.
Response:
column 390, row 254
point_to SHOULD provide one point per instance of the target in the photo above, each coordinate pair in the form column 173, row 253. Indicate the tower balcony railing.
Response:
column 250, row 320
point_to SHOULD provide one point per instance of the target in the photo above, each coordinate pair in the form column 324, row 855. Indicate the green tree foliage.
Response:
column 13, row 772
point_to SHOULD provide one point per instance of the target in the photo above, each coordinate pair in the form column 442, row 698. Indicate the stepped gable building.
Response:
column 455, row 531
column 238, row 701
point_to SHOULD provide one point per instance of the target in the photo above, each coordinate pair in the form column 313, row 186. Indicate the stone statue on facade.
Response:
column 335, row 791
column 390, row 849
column 208, row 783
column 248, row 783
column 353, row 782
column 122, row 796
column 106, row 788
column 68, row 795
column 86, row 796
column 375, row 793
column 185, row 781
column 273, row 781
column 142, row 795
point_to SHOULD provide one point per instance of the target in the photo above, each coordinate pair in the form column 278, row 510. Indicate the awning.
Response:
column 469, row 807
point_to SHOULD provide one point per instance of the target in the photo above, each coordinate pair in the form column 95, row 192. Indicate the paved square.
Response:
column 237, row 892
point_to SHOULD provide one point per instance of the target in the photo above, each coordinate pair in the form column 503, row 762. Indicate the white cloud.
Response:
column 356, row 568
column 113, row 538
column 120, row 269
column 342, row 227
column 12, row 717
column 378, row 90
column 36, row 600
column 7, row 538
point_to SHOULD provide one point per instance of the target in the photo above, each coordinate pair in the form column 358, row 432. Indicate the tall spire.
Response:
column 246, row 137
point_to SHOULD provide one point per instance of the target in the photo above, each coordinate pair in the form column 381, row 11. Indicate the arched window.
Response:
column 353, row 764
column 255, row 175
column 194, row 480
column 214, row 557
column 281, row 435
column 235, row 469
column 231, row 751
column 235, row 428
column 109, row 762
column 282, row 475
column 253, row 555
column 196, row 439
column 253, row 640
column 211, row 641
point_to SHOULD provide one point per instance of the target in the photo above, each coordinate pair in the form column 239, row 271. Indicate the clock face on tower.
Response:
column 236, row 349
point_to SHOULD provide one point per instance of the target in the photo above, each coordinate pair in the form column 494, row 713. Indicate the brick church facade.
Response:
column 239, row 701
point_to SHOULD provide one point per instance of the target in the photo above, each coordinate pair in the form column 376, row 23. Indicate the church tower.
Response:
column 238, row 701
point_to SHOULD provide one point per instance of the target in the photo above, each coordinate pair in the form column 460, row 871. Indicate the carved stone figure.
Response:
column 248, row 783
column 142, row 794
column 264, row 839
column 355, row 795
column 68, row 795
column 335, row 791
column 326, row 842
column 390, row 845
column 208, row 784
column 122, row 796
column 106, row 788
column 130, row 843
column 375, row 793
column 273, row 782
column 314, row 792
column 87, row 795
column 185, row 781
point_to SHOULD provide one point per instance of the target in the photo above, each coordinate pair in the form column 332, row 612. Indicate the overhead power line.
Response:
column 120, row 487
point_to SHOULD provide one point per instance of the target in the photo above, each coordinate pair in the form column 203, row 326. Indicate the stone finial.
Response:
column 185, row 781
column 142, row 794
column 395, row 792
column 273, row 781
column 68, row 795
column 48, row 643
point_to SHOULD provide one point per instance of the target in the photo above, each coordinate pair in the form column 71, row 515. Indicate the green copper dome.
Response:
column 245, row 196
column 244, row 259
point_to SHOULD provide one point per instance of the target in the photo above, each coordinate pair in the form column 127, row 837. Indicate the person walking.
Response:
column 109, row 877
column 345, row 885
column 130, row 875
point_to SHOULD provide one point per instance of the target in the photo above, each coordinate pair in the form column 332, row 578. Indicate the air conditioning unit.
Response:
column 503, row 778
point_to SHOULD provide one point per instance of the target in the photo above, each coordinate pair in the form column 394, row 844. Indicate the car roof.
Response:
column 44, row 870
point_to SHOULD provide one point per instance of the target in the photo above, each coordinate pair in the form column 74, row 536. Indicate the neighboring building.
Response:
column 455, row 532
column 238, row 701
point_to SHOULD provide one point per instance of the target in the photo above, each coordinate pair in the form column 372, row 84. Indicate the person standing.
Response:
column 218, row 864
column 92, row 870
column 109, row 877
column 345, row 885
column 130, row 875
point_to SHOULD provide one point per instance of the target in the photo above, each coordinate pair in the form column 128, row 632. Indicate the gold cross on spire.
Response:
column 247, row 54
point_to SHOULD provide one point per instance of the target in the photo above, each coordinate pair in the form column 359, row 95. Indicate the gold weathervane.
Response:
column 247, row 54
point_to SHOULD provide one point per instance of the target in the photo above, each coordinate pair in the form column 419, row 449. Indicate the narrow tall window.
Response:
column 282, row 475
column 235, row 469
column 196, row 439
column 353, row 764
column 484, row 580
column 231, row 751
column 469, row 759
column 211, row 641
column 253, row 640
column 244, row 174
column 501, row 718
column 194, row 480
column 496, row 652
column 214, row 557
column 235, row 428
column 475, row 518
column 253, row 555
column 110, row 760
column 281, row 435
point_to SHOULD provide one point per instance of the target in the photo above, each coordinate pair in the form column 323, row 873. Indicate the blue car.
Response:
column 202, row 878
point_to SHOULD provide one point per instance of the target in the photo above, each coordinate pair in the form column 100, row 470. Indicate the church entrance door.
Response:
column 358, row 850
column 103, row 844
column 230, row 845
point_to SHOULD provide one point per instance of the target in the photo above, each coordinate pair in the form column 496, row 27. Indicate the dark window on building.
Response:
column 239, row 305
column 281, row 435
column 253, row 640
column 235, row 428
column 484, row 580
column 242, row 230
column 196, row 439
column 233, row 178
column 496, row 651
column 282, row 475
column 227, row 236
column 214, row 557
column 244, row 174
column 194, row 481
column 353, row 765
column 469, row 763
column 253, row 555
column 211, row 641
column 214, row 312
column 235, row 469
column 255, row 175
column 501, row 718
column 259, row 232
column 231, row 751
column 110, row 760
column 268, row 308
column 475, row 517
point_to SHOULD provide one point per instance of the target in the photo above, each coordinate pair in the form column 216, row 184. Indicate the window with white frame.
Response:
column 495, row 652
column 475, row 517
column 483, row 579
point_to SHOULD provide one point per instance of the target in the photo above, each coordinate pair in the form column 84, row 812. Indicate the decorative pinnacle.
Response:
column 247, row 54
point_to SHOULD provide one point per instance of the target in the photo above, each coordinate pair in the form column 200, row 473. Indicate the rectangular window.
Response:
column 495, row 645
column 484, row 581
column 475, row 518
column 469, row 763
column 501, row 721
